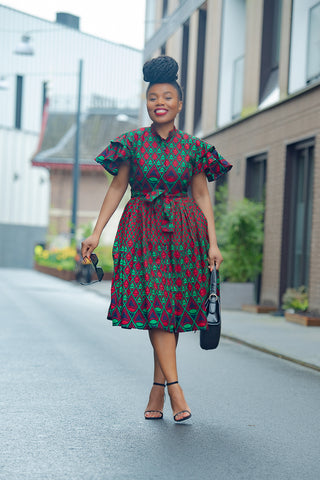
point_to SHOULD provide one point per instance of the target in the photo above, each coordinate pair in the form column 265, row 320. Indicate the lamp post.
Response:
column 25, row 48
column 76, row 169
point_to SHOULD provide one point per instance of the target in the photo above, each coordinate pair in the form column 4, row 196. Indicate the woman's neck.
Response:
column 163, row 130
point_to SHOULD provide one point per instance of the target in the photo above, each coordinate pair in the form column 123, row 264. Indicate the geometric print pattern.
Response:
column 161, row 275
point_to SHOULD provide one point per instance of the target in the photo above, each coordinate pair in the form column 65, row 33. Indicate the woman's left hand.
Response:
column 214, row 257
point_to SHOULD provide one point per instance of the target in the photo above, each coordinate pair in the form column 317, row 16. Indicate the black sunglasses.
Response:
column 99, row 271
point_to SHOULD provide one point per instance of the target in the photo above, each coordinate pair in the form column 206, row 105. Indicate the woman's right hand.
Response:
column 88, row 245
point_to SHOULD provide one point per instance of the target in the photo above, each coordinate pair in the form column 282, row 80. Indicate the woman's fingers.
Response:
column 214, row 258
column 87, row 246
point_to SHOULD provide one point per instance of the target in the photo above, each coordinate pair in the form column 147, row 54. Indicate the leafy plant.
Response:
column 296, row 299
column 66, row 258
column 59, row 258
column 240, row 235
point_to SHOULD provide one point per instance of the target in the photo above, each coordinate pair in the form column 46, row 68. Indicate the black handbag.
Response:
column 209, row 339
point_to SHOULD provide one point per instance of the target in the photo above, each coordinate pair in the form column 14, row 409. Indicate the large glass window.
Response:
column 256, row 174
column 237, row 87
column 184, row 69
column 164, row 8
column 232, row 51
column 305, row 44
column 269, row 90
column 313, row 54
column 200, row 69
column 298, row 215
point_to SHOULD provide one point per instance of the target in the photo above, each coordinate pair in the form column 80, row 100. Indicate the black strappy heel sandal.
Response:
column 155, row 411
column 182, row 411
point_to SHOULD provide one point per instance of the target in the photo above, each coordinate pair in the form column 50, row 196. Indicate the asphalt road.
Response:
column 73, row 391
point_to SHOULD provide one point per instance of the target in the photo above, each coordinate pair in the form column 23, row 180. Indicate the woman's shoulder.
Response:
column 194, row 143
column 133, row 136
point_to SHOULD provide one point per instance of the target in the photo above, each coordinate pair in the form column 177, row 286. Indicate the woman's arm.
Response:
column 111, row 201
column 201, row 196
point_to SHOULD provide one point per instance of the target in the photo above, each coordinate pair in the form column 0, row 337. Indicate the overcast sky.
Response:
column 120, row 21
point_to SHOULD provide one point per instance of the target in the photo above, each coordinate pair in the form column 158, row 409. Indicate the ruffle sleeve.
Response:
column 209, row 161
column 115, row 154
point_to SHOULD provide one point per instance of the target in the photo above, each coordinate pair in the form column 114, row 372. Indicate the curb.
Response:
column 271, row 352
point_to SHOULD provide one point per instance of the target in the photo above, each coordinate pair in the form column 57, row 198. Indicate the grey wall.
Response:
column 17, row 244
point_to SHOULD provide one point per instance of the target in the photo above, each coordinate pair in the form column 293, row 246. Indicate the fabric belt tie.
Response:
column 165, row 200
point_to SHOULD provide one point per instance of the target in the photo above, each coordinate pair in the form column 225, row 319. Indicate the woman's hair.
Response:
column 162, row 69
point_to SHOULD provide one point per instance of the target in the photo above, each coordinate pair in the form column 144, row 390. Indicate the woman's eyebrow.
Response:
column 164, row 93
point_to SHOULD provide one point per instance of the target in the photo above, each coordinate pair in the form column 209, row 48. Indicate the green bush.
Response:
column 240, row 233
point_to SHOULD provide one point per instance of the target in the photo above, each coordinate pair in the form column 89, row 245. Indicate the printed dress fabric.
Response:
column 161, row 275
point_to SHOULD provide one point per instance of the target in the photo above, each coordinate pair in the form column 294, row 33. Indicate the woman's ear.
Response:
column 180, row 106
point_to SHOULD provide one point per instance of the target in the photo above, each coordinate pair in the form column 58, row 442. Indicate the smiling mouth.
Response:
column 160, row 111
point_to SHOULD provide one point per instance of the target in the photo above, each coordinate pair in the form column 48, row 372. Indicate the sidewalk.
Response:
column 265, row 332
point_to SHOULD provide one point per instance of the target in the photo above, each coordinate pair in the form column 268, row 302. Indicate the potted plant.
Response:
column 295, row 303
column 240, row 233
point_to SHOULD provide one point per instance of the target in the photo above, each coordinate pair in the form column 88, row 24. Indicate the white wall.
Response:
column 232, row 47
column 299, row 44
column 24, row 190
column 109, row 70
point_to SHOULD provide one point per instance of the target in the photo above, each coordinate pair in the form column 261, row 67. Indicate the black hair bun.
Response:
column 162, row 69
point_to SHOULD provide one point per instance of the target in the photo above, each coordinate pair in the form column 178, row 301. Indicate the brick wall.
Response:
column 271, row 131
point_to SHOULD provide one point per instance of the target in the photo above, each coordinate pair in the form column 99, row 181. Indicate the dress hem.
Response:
column 117, row 323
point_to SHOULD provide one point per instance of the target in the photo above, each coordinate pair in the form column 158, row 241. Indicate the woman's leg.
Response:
column 156, row 397
column 164, row 344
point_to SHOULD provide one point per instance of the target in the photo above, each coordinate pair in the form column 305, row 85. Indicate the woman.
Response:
column 166, row 240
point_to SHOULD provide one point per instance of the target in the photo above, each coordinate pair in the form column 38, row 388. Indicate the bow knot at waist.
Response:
column 165, row 199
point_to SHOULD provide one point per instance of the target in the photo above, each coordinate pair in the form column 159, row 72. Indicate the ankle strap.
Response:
column 172, row 383
column 160, row 384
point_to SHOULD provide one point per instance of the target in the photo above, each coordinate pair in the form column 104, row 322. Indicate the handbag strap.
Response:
column 213, row 281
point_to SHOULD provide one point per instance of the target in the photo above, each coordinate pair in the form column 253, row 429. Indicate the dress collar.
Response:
column 171, row 133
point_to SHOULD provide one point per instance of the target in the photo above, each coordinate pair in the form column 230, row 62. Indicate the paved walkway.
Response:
column 269, row 333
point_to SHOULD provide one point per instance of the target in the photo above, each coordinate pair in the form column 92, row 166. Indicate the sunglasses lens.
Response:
column 94, row 258
column 100, row 273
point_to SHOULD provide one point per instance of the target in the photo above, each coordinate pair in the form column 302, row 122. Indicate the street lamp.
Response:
column 25, row 48
column 4, row 84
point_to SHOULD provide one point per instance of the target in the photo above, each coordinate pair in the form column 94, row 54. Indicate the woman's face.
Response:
column 163, row 103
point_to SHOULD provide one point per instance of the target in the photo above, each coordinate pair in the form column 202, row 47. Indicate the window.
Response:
column 256, row 174
column 304, row 66
column 200, row 69
column 256, row 177
column 313, row 52
column 232, row 51
column 164, row 8
column 269, row 91
column 184, row 69
column 297, row 225
column 19, row 91
column 237, row 87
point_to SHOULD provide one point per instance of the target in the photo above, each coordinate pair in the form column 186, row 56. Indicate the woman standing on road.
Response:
column 166, row 240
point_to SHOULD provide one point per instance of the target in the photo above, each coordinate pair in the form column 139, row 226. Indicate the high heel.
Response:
column 155, row 411
column 182, row 411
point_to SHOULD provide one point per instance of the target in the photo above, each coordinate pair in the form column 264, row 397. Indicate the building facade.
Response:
column 38, row 102
column 250, row 70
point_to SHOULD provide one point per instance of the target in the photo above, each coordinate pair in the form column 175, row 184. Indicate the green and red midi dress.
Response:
column 161, row 274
